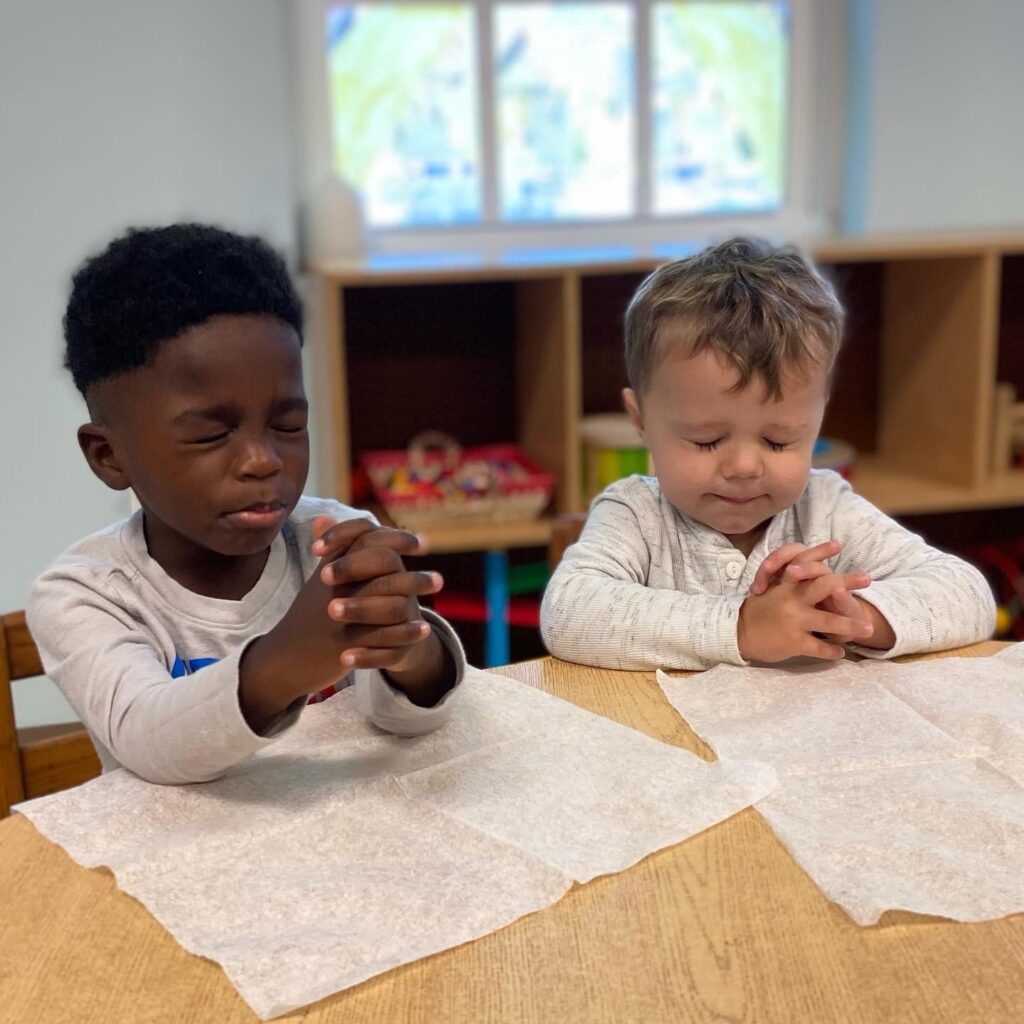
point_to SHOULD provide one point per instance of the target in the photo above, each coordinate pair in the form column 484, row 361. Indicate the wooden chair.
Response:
column 565, row 530
column 34, row 762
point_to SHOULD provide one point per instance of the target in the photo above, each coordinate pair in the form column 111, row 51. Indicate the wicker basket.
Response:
column 437, row 481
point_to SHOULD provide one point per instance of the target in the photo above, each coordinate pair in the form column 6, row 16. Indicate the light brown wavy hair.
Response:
column 767, row 310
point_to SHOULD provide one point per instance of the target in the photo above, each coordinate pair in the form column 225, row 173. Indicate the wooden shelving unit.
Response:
column 901, row 494
column 498, row 350
column 454, row 537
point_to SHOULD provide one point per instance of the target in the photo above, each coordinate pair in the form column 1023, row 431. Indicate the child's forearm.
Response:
column 272, row 676
column 932, row 600
column 267, row 683
column 927, row 612
column 594, row 620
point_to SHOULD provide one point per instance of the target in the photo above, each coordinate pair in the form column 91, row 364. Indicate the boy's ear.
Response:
column 99, row 452
column 632, row 406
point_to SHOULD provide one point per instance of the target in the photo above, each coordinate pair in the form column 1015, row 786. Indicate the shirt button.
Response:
column 734, row 570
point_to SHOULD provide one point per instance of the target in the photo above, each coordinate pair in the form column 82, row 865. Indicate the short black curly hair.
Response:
column 152, row 284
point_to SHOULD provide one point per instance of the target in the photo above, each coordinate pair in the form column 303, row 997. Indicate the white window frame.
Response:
column 813, row 146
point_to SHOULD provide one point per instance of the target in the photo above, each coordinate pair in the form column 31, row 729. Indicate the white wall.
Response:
column 945, row 132
column 113, row 113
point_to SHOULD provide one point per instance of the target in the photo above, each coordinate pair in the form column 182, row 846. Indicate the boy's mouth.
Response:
column 260, row 515
column 738, row 501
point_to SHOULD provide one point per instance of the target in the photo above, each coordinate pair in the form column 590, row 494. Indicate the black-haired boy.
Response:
column 191, row 633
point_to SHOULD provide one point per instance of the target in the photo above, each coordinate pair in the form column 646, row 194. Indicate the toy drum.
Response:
column 612, row 449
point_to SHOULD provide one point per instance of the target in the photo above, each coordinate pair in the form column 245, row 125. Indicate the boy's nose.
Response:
column 743, row 462
column 259, row 459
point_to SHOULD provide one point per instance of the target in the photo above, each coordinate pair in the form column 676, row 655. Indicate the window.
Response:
column 563, row 84
column 718, row 97
column 513, row 128
column 513, row 111
column 404, row 110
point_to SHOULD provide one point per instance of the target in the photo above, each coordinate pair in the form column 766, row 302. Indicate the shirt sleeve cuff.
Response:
column 720, row 641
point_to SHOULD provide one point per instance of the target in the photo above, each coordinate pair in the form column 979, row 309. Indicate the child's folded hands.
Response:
column 798, row 555
column 358, row 610
column 789, row 619
column 800, row 563
column 372, row 592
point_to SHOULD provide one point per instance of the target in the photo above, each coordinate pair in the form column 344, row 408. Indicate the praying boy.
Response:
column 192, row 633
column 737, row 550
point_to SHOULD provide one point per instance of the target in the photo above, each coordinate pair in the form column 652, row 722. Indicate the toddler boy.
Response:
column 192, row 633
column 736, row 550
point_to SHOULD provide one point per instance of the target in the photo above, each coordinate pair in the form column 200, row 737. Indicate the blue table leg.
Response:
column 496, row 640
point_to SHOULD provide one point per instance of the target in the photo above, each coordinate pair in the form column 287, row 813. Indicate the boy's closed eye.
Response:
column 710, row 446
column 220, row 435
column 291, row 424
column 206, row 426
column 212, row 425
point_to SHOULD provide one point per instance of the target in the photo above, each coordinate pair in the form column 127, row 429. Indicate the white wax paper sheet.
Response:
column 810, row 718
column 339, row 851
column 589, row 808
column 977, row 701
column 373, row 882
column 901, row 785
column 945, row 839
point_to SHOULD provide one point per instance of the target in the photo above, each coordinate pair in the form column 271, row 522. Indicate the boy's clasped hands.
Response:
column 360, row 609
column 372, row 607
column 799, row 606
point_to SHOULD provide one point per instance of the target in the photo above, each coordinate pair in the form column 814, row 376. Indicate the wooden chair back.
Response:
column 34, row 762
column 565, row 530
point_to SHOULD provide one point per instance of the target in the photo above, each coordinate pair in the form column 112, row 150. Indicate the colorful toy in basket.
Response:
column 436, row 480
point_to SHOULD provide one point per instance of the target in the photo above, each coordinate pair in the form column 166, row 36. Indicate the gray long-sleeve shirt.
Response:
column 647, row 587
column 151, row 668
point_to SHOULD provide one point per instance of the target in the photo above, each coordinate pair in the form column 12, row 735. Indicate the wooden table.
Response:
column 723, row 927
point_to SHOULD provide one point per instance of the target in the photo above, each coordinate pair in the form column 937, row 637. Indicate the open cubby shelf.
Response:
column 492, row 352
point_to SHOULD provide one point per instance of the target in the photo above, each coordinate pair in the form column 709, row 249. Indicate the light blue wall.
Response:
column 934, row 126
column 113, row 113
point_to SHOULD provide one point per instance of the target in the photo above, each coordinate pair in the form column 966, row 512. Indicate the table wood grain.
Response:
column 723, row 927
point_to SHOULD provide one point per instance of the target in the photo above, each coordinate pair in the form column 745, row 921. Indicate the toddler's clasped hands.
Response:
column 799, row 606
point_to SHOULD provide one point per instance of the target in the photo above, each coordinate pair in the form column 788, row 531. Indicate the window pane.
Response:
column 404, row 110
column 719, row 106
column 564, row 92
